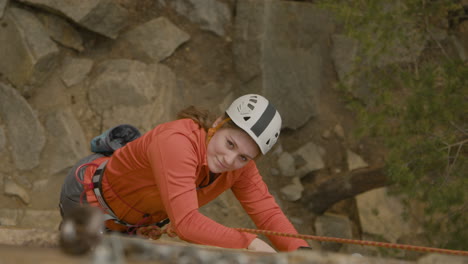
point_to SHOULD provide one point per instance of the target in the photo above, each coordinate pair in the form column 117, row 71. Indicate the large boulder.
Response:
column 278, row 51
column 344, row 54
column 25, row 133
column 75, row 70
column 211, row 15
column 331, row 225
column 381, row 214
column 129, row 91
column 28, row 54
column 154, row 40
column 105, row 17
column 3, row 4
column 61, row 31
column 68, row 143
column 2, row 139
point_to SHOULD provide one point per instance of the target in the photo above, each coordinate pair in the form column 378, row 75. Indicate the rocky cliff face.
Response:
column 71, row 69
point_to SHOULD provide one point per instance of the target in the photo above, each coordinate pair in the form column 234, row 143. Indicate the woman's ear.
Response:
column 217, row 121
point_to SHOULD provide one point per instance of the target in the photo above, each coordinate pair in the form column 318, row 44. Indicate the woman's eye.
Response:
column 230, row 144
column 244, row 158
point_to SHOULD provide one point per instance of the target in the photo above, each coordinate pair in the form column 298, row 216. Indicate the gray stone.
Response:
column 42, row 219
column 381, row 214
column 442, row 259
column 286, row 164
column 28, row 237
column 210, row 95
column 312, row 155
column 355, row 250
column 25, row 132
column 324, row 257
column 105, row 17
column 278, row 48
column 61, row 31
column 459, row 48
column 122, row 98
column 326, row 134
column 120, row 82
column 2, row 139
column 75, row 70
column 9, row 217
column 69, row 143
column 211, row 15
column 28, row 54
column 30, row 218
column 12, row 188
column 332, row 225
column 145, row 43
column 274, row 171
column 355, row 161
column 339, row 131
column 53, row 94
column 3, row 4
column 344, row 52
column 293, row 192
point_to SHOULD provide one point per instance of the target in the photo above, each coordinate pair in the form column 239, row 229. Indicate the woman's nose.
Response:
column 230, row 158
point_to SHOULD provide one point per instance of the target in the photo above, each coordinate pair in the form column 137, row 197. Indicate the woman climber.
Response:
column 172, row 170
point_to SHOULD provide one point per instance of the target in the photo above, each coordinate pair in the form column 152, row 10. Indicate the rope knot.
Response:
column 151, row 232
column 155, row 232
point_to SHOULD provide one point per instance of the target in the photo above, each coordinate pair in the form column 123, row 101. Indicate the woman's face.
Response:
column 230, row 149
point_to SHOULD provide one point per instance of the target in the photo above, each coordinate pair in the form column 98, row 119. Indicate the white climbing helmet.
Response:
column 255, row 115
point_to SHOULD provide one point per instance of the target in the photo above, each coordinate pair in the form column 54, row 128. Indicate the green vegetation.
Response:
column 416, row 103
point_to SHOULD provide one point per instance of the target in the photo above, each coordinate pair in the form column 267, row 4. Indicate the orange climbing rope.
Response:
column 358, row 242
column 154, row 232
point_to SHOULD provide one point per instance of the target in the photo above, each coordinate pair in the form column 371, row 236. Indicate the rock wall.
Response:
column 71, row 69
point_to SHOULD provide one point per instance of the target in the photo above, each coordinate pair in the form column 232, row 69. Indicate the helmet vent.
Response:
column 246, row 118
column 251, row 106
column 253, row 100
column 276, row 135
column 268, row 142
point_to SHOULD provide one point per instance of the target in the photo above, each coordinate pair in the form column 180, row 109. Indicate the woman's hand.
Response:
column 261, row 246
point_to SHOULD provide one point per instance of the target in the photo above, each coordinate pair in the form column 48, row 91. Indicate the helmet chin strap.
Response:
column 213, row 130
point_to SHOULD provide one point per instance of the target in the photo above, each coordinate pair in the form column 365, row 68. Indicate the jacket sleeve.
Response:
column 253, row 194
column 173, row 159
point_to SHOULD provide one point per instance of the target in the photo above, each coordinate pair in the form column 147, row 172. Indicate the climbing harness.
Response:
column 105, row 144
column 96, row 186
column 97, row 189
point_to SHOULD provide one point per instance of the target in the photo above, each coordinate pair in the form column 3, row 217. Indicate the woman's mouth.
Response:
column 221, row 165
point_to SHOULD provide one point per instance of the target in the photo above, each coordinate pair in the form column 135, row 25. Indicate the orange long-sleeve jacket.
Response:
column 159, row 175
